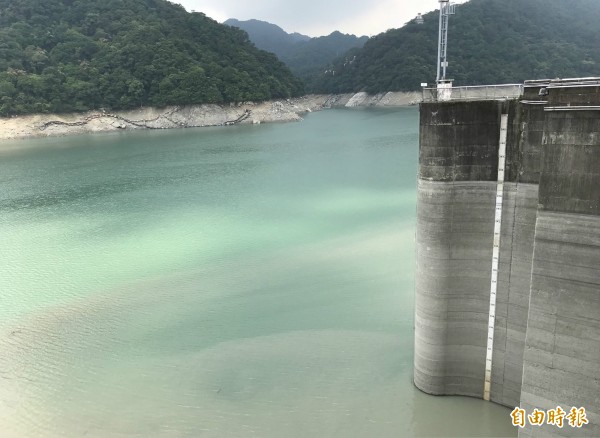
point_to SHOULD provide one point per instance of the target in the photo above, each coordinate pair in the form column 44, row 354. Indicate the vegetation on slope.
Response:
column 76, row 55
column 308, row 58
column 268, row 36
column 489, row 42
column 305, row 56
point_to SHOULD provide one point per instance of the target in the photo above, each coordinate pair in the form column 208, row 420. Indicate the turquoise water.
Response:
column 237, row 281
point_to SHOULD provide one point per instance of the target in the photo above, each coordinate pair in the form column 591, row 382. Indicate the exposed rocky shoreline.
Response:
column 192, row 116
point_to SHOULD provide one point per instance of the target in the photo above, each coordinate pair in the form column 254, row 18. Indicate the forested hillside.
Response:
column 490, row 42
column 308, row 58
column 305, row 56
column 76, row 55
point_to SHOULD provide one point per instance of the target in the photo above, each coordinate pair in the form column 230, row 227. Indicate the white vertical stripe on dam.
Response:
column 495, row 256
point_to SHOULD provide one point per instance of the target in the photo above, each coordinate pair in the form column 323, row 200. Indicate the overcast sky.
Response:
column 318, row 17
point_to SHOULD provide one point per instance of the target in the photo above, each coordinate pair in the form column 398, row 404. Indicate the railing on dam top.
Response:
column 474, row 92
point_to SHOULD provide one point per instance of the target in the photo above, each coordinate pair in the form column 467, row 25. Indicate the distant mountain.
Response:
column 490, row 42
column 65, row 55
column 267, row 36
column 309, row 58
column 304, row 55
column 297, row 37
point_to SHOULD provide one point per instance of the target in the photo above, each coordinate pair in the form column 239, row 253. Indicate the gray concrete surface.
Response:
column 547, row 326
column 561, row 364
column 454, row 246
column 516, row 254
column 458, row 171
column 562, row 351
column 455, row 224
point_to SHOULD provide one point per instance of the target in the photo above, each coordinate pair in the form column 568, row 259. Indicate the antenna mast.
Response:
column 446, row 9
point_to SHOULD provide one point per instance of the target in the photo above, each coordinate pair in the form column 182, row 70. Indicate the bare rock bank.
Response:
column 192, row 116
column 362, row 99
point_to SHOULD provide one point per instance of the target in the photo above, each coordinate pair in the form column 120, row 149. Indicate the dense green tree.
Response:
column 76, row 55
column 490, row 42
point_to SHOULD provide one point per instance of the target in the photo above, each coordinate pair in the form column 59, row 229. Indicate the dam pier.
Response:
column 508, row 247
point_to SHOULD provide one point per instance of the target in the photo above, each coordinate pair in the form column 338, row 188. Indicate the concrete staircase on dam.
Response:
column 508, row 250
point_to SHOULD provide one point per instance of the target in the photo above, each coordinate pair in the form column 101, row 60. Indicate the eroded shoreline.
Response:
column 191, row 116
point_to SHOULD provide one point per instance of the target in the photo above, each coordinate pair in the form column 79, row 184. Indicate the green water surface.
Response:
column 224, row 282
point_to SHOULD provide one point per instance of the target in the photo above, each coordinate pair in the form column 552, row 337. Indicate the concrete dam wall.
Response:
column 508, row 251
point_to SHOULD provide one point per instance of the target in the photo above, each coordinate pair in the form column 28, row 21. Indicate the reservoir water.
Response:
column 222, row 282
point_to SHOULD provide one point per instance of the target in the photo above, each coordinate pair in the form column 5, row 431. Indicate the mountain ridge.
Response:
column 267, row 36
column 305, row 57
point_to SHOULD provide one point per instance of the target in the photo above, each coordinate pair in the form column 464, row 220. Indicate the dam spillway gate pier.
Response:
column 545, row 324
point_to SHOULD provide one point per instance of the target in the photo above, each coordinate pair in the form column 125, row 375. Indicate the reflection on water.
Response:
column 246, row 281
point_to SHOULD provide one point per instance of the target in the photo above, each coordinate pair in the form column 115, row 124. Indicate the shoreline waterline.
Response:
column 191, row 116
